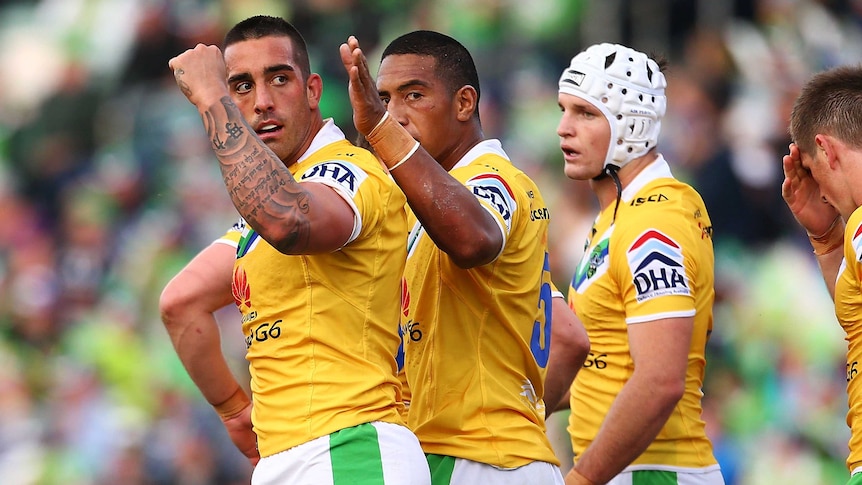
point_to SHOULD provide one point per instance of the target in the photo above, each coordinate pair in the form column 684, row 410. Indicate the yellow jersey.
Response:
column 477, row 340
column 848, row 311
column 322, row 330
column 654, row 261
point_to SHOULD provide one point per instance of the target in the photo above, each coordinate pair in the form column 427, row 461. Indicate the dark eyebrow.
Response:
column 269, row 70
column 407, row 85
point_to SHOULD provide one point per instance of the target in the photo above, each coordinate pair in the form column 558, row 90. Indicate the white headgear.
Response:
column 628, row 88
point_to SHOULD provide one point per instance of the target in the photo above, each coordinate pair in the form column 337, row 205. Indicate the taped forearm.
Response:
column 392, row 143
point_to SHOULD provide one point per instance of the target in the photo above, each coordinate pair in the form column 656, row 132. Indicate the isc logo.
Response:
column 649, row 198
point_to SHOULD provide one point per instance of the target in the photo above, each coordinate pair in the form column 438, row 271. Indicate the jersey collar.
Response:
column 329, row 133
column 491, row 146
column 658, row 169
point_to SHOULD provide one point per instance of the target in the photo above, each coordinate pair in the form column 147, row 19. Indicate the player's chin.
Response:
column 277, row 146
column 575, row 172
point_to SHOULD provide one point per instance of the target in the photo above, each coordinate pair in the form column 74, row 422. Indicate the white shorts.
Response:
column 710, row 476
column 369, row 454
column 448, row 470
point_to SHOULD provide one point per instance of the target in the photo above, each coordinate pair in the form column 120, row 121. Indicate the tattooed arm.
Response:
column 294, row 218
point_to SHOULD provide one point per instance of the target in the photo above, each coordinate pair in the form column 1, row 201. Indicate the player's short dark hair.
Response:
column 261, row 26
column 830, row 103
column 455, row 65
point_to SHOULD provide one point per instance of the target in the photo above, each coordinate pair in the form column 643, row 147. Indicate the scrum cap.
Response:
column 628, row 88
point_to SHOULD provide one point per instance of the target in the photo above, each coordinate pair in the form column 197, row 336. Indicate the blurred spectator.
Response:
column 54, row 147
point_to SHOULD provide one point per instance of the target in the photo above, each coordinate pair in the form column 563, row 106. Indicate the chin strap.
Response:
column 611, row 171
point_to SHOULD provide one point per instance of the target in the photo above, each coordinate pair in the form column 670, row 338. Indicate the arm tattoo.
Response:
column 261, row 187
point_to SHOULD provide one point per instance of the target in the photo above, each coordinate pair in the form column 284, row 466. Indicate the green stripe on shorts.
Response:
column 441, row 468
column 355, row 455
column 653, row 477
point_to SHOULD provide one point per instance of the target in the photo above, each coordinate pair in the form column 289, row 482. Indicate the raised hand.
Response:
column 802, row 195
column 368, row 109
column 201, row 75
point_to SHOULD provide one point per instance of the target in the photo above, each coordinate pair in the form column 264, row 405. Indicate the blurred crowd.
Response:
column 108, row 187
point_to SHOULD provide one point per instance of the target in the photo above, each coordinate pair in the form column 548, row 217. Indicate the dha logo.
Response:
column 344, row 174
column 657, row 266
column 497, row 193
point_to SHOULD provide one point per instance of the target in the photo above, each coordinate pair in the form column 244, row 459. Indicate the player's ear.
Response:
column 314, row 89
column 830, row 147
column 466, row 103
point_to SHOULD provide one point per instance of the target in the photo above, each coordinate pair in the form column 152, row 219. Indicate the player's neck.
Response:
column 457, row 150
column 605, row 187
